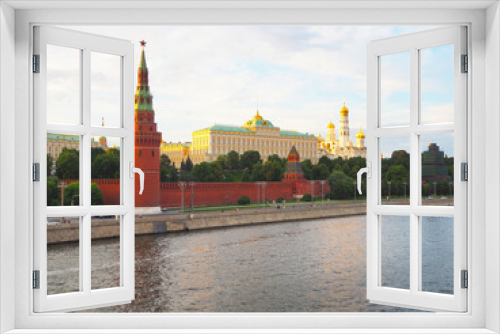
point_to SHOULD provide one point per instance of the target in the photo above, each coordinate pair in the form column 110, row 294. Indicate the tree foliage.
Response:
column 68, row 164
column 249, row 159
column 106, row 166
column 341, row 185
column 244, row 200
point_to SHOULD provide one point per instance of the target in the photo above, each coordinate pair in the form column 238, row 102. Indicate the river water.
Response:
column 306, row 266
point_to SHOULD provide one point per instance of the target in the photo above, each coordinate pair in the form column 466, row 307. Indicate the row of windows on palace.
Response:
column 256, row 142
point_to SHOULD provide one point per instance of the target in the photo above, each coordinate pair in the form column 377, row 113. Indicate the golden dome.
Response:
column 360, row 134
column 344, row 111
column 330, row 126
column 257, row 116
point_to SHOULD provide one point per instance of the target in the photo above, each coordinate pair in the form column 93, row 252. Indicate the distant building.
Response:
column 56, row 143
column 434, row 168
column 343, row 146
column 257, row 134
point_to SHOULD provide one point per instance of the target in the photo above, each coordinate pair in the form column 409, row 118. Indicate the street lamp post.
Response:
column 258, row 194
column 354, row 188
column 389, row 184
column 182, row 185
column 312, row 191
column 264, row 194
column 451, row 189
column 192, row 195
column 434, row 183
column 404, row 184
column 62, row 186
column 322, row 191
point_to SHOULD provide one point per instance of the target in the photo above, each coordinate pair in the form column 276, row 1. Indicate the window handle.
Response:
column 139, row 171
column 368, row 171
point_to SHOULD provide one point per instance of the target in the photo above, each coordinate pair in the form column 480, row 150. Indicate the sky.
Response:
column 297, row 76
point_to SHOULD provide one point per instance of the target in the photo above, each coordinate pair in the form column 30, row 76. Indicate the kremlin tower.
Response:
column 343, row 147
column 360, row 139
column 147, row 143
column 344, row 139
column 294, row 174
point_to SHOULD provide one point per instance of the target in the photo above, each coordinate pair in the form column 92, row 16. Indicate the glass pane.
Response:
column 63, row 85
column 437, row 169
column 437, row 254
column 105, row 90
column 395, row 251
column 63, row 255
column 63, row 170
column 395, row 90
column 105, row 170
column 105, row 252
column 395, row 162
column 437, row 84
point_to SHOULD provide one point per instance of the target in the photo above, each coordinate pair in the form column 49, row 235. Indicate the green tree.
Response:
column 96, row 196
column 345, row 169
column 188, row 165
column 249, row 159
column 95, row 151
column 222, row 162
column 273, row 171
column 72, row 192
column 276, row 158
column 53, row 193
column 244, row 200
column 106, row 166
column 168, row 173
column 217, row 173
column 306, row 198
column 202, row 172
column 233, row 160
column 397, row 174
column 246, row 175
column 427, row 189
column 50, row 162
column 324, row 160
column 258, row 173
column 320, row 172
column 401, row 157
column 341, row 185
column 68, row 164
column 307, row 167
column 443, row 187
column 165, row 160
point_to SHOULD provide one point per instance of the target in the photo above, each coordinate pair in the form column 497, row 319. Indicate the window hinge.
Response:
column 36, row 279
column 36, row 172
column 465, row 64
column 464, row 168
column 465, row 279
column 36, row 63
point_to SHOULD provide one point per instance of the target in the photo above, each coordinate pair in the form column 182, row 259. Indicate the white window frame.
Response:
column 484, row 48
column 86, row 297
column 413, row 44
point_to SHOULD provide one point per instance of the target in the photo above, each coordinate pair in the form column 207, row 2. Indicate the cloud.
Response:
column 296, row 75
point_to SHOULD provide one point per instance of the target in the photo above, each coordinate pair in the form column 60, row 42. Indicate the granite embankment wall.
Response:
column 109, row 228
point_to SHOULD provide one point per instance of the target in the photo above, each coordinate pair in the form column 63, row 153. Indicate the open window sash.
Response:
column 84, row 297
column 414, row 297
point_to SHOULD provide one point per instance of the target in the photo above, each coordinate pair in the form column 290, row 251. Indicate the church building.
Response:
column 343, row 146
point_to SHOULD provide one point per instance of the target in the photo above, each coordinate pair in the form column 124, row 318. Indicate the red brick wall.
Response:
column 210, row 193
column 230, row 192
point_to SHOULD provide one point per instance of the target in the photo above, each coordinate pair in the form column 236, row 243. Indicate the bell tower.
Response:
column 147, row 143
